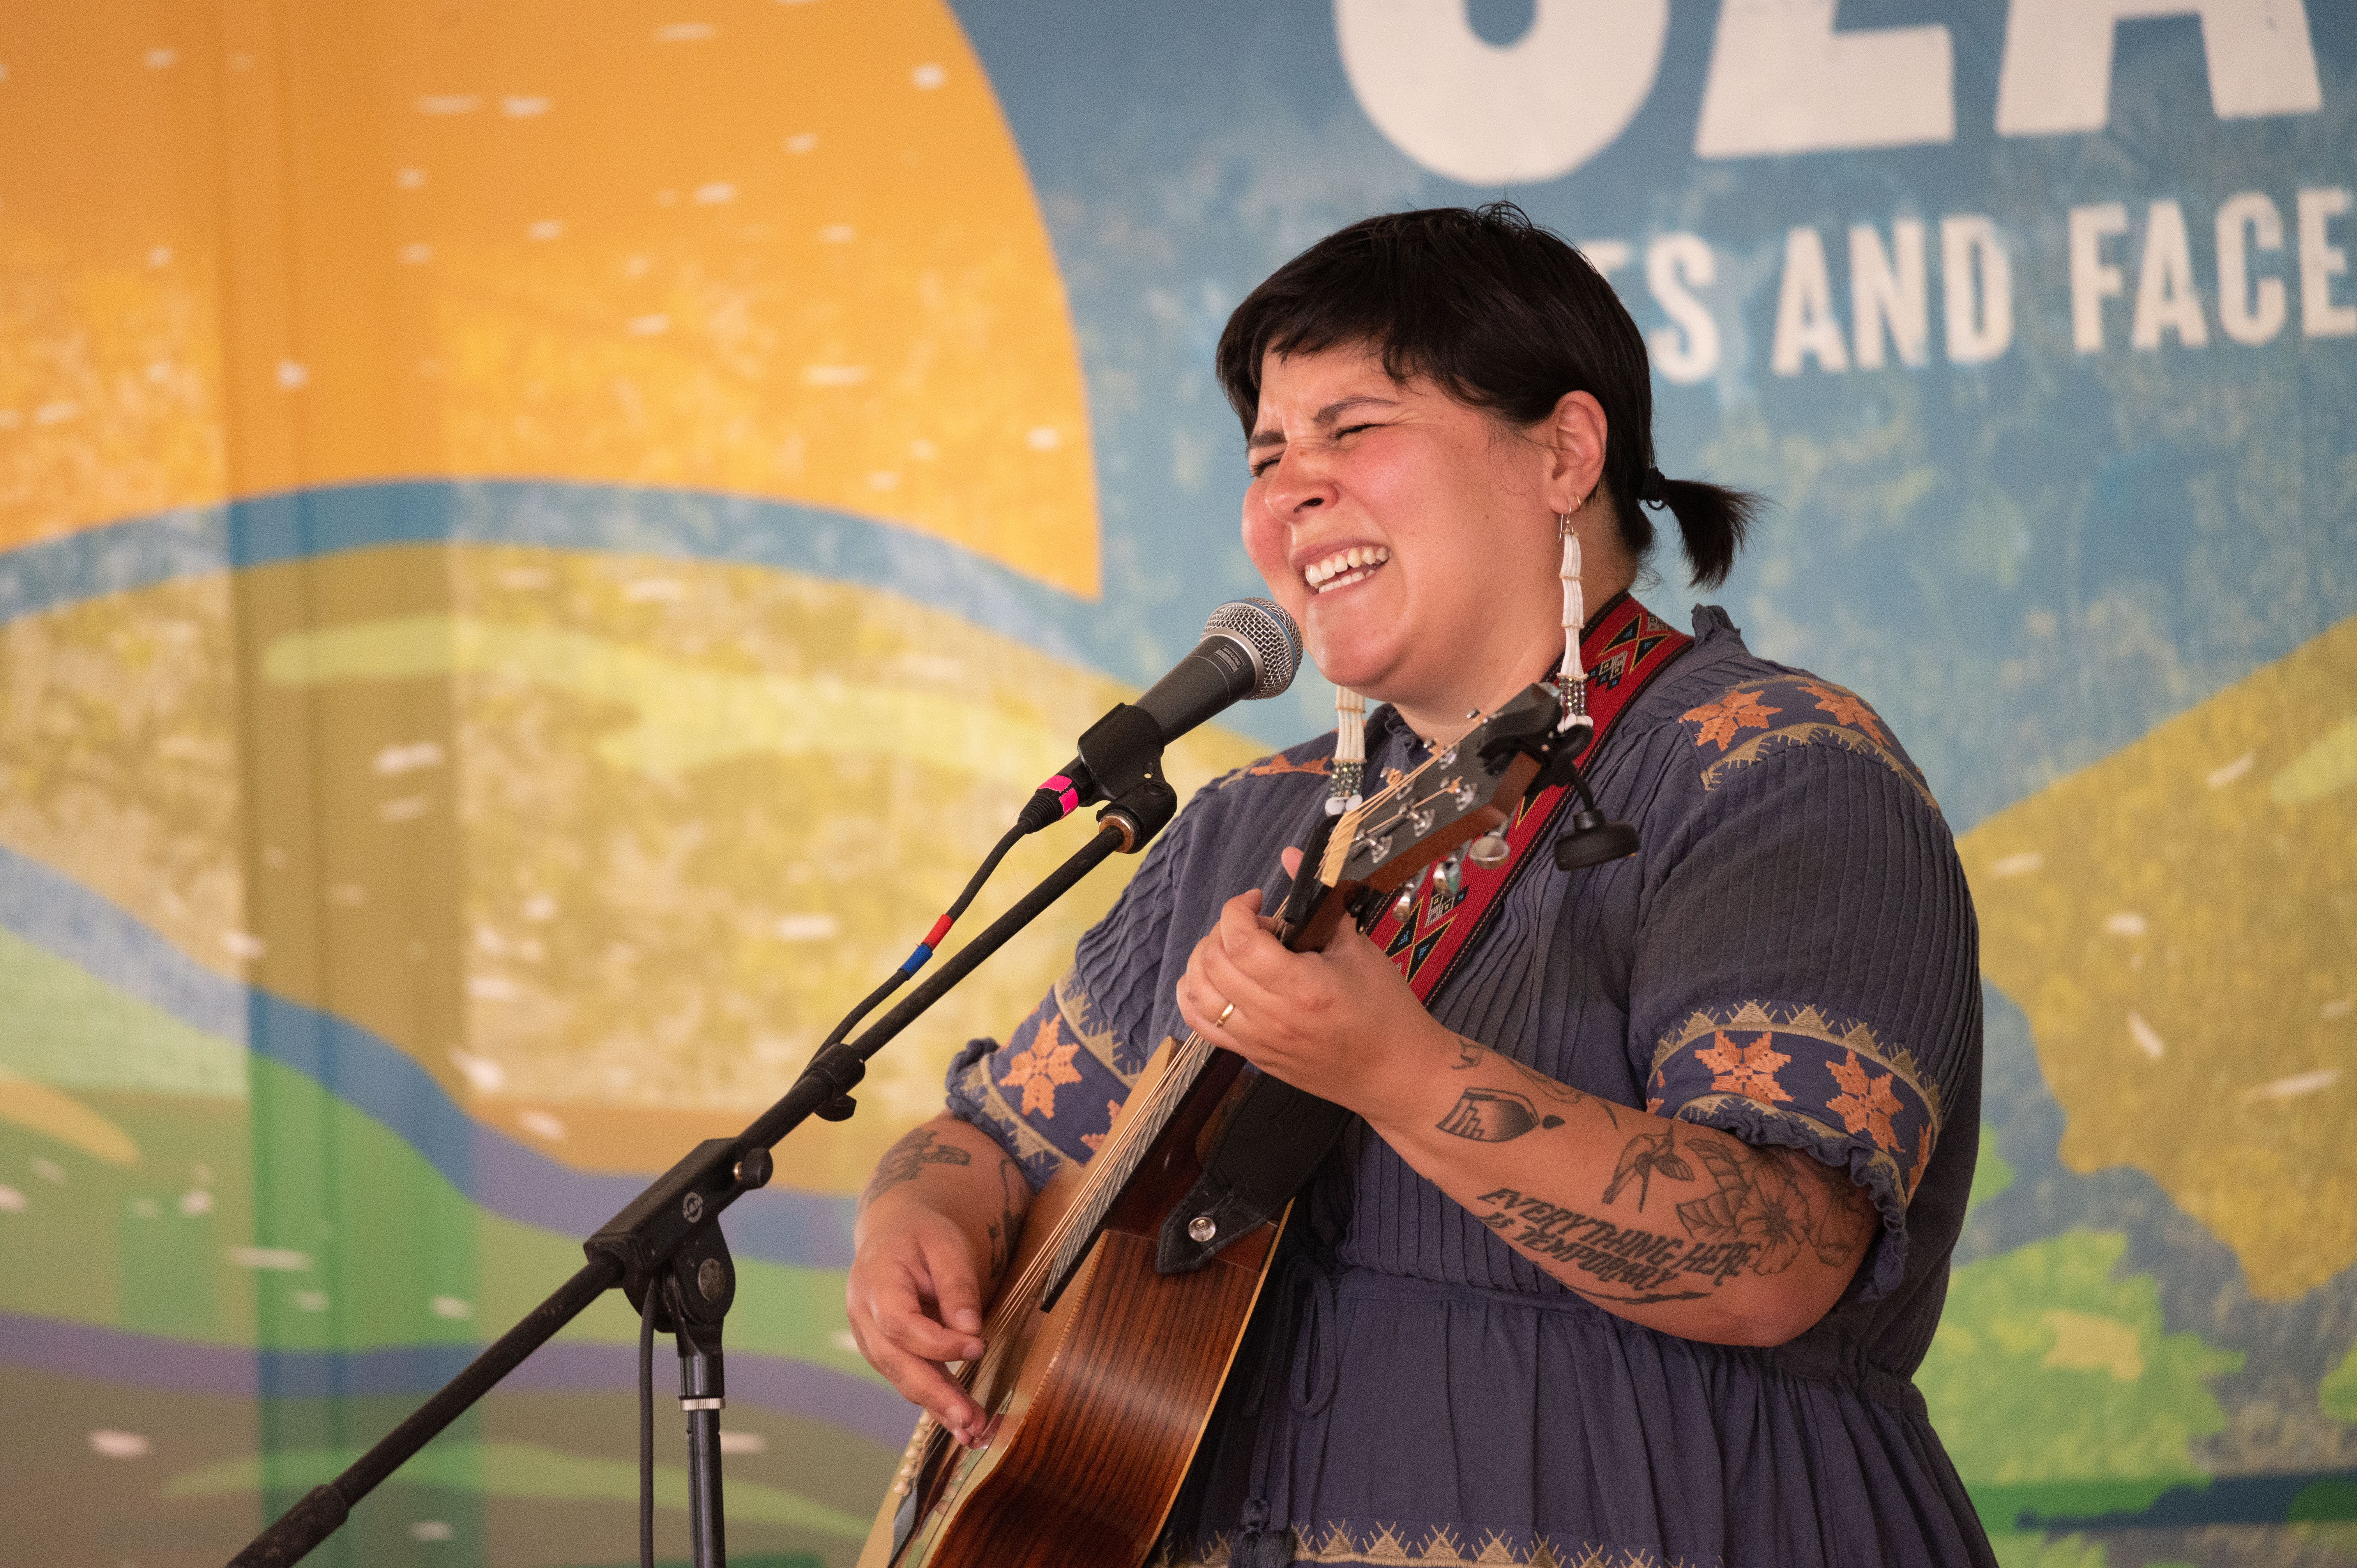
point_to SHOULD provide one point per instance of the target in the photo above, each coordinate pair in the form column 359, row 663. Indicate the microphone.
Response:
column 1251, row 650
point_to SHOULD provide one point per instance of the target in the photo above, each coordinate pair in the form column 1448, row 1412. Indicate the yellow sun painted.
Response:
column 2178, row 921
column 781, row 251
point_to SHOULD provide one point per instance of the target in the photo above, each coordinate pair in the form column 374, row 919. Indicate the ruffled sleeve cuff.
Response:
column 1790, row 1076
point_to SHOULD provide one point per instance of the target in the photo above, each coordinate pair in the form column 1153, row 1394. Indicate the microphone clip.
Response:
column 1123, row 754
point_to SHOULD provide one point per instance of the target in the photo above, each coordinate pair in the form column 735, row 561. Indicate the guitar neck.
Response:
column 1150, row 1116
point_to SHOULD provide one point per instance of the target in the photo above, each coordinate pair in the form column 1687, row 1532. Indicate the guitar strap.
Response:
column 1275, row 1134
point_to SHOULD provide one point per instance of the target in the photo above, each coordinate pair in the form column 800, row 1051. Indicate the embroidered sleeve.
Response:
column 1807, row 975
column 1788, row 1074
column 1049, row 1093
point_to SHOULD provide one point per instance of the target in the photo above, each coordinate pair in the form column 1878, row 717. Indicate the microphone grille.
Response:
column 1268, row 634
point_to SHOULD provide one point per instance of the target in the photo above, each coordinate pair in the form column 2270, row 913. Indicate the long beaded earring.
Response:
column 1571, row 680
column 1350, row 751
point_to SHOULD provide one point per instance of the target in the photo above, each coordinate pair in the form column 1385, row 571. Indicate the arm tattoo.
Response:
column 1015, row 1195
column 1493, row 1116
column 1471, row 1053
column 1643, row 1261
column 1645, row 1158
column 1777, row 1201
column 1765, row 1206
column 906, row 1159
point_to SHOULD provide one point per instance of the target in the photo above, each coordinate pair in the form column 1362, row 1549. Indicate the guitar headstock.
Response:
column 1457, row 795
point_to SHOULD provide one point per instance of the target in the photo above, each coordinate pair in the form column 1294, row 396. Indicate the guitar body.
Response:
column 1100, row 1401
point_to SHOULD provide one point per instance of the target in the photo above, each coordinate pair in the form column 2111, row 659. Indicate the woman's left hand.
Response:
column 1340, row 1024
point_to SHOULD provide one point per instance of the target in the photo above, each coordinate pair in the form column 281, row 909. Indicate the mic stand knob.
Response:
column 1140, row 812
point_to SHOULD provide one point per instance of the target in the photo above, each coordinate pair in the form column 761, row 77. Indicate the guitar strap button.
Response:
column 1201, row 1229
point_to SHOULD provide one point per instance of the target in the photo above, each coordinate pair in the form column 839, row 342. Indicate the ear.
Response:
column 1575, row 435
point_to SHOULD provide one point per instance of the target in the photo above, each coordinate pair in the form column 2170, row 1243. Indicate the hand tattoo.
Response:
column 1493, row 1116
column 906, row 1159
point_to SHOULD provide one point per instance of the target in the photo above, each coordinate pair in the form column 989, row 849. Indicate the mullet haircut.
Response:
column 1500, row 315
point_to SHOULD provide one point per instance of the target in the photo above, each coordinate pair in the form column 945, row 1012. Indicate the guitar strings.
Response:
column 1118, row 1159
column 1115, row 1161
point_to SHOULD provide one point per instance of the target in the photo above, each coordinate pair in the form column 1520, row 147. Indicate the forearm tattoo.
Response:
column 906, row 1159
column 1014, row 1198
column 1759, row 1209
column 1493, row 1116
column 1472, row 1054
column 1646, row 1154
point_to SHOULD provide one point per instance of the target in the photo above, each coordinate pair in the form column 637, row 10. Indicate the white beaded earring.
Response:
column 1571, row 680
column 1350, row 751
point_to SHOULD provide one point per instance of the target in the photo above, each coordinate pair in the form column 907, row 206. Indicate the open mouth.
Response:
column 1344, row 567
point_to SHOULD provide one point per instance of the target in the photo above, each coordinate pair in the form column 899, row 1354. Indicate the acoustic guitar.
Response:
column 1100, row 1374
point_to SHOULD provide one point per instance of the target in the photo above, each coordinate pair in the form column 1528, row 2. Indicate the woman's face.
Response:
column 1414, row 539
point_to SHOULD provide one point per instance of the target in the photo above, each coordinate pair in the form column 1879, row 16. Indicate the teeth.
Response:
column 1355, row 560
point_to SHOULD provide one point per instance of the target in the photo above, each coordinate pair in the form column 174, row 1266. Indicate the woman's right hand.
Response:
column 944, row 1199
column 915, row 1301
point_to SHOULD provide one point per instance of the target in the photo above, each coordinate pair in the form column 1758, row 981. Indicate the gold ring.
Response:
column 1221, row 1021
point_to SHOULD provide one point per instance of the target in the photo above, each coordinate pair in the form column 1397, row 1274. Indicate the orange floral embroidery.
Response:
column 1095, row 1141
column 1748, row 1070
column 1845, row 708
column 1720, row 720
column 1276, row 764
column 1867, row 1104
column 1923, row 1143
column 1039, row 1069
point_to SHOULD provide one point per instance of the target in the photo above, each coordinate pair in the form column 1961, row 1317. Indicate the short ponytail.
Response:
column 1713, row 523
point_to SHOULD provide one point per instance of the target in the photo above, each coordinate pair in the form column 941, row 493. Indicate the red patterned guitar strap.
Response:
column 1624, row 647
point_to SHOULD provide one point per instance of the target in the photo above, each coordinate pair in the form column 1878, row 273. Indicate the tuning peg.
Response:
column 1489, row 851
column 1592, row 841
column 1404, row 906
column 1452, row 873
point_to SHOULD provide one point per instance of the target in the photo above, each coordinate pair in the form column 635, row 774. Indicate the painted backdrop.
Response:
column 538, row 542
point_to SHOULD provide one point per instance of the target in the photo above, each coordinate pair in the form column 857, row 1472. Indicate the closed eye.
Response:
column 1261, row 466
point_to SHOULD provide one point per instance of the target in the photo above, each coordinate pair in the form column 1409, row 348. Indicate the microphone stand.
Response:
column 668, row 1239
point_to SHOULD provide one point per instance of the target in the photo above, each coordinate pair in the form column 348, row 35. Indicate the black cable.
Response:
column 647, row 1429
column 916, row 960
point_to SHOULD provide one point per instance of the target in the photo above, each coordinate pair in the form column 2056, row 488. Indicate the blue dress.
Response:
column 1791, row 958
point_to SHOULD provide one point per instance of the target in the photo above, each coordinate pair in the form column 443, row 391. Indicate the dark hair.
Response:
column 1502, row 315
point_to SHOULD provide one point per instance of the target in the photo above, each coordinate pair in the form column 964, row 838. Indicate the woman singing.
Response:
column 1643, row 1218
